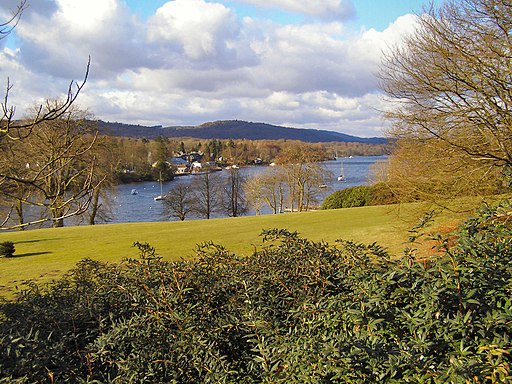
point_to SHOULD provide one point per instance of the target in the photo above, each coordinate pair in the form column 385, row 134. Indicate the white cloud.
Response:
column 322, row 9
column 315, row 57
column 87, row 17
column 58, row 40
column 195, row 61
column 200, row 28
column 201, row 31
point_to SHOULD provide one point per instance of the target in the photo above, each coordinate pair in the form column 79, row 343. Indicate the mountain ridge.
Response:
column 233, row 129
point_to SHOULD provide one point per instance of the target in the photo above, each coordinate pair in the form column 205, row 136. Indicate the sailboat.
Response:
column 161, row 195
column 341, row 177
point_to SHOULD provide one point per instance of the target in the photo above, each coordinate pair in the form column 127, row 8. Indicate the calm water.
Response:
column 142, row 207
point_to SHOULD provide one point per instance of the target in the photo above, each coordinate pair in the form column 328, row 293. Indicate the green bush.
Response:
column 295, row 311
column 7, row 249
column 377, row 194
column 347, row 198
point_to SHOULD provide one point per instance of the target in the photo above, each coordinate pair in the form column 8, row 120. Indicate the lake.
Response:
column 143, row 208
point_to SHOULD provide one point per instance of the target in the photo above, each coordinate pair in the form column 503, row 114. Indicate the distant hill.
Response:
column 233, row 129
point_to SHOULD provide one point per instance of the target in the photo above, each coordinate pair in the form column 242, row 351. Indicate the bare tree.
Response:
column 14, row 192
column 268, row 188
column 253, row 192
column 303, row 174
column 429, row 170
column 100, row 207
column 206, row 194
column 312, row 192
column 18, row 187
column 57, row 163
column 303, row 181
column 178, row 202
column 450, row 82
column 233, row 198
column 274, row 190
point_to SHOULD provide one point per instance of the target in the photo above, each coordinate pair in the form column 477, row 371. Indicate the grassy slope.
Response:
column 47, row 253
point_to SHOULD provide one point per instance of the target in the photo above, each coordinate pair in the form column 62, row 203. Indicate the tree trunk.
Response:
column 95, row 207
column 19, row 212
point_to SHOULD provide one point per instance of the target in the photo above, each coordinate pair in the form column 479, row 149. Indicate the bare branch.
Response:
column 7, row 27
column 17, row 130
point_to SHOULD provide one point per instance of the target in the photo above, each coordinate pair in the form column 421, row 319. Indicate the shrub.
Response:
column 294, row 311
column 377, row 194
column 346, row 198
column 382, row 194
column 7, row 249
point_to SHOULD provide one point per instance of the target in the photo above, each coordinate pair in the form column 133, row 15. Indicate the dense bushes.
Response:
column 377, row 194
column 295, row 311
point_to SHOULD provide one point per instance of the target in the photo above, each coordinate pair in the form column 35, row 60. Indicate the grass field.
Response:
column 45, row 254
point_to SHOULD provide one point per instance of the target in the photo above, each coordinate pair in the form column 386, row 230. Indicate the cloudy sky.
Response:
column 298, row 63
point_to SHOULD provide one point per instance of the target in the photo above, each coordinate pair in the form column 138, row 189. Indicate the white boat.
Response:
column 341, row 177
column 161, row 195
column 134, row 192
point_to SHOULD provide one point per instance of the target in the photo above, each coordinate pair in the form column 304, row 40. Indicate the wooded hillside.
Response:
column 233, row 129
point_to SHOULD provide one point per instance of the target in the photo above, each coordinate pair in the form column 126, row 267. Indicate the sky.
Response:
column 302, row 64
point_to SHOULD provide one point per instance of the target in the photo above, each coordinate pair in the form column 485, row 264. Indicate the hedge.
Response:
column 295, row 311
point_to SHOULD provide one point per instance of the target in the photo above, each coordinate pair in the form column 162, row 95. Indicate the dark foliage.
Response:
column 295, row 311
column 7, row 249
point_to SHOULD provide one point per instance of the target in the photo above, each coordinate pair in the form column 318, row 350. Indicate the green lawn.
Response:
column 45, row 254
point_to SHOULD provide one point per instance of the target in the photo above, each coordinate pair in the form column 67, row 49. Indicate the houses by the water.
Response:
column 192, row 163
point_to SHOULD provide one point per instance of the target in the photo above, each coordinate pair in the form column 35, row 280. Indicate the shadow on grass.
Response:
column 29, row 254
column 34, row 241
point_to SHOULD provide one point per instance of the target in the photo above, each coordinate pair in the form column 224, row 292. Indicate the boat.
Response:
column 161, row 195
column 322, row 186
column 134, row 192
column 341, row 177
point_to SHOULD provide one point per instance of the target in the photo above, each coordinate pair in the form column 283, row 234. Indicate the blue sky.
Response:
column 304, row 64
column 376, row 14
column 379, row 14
